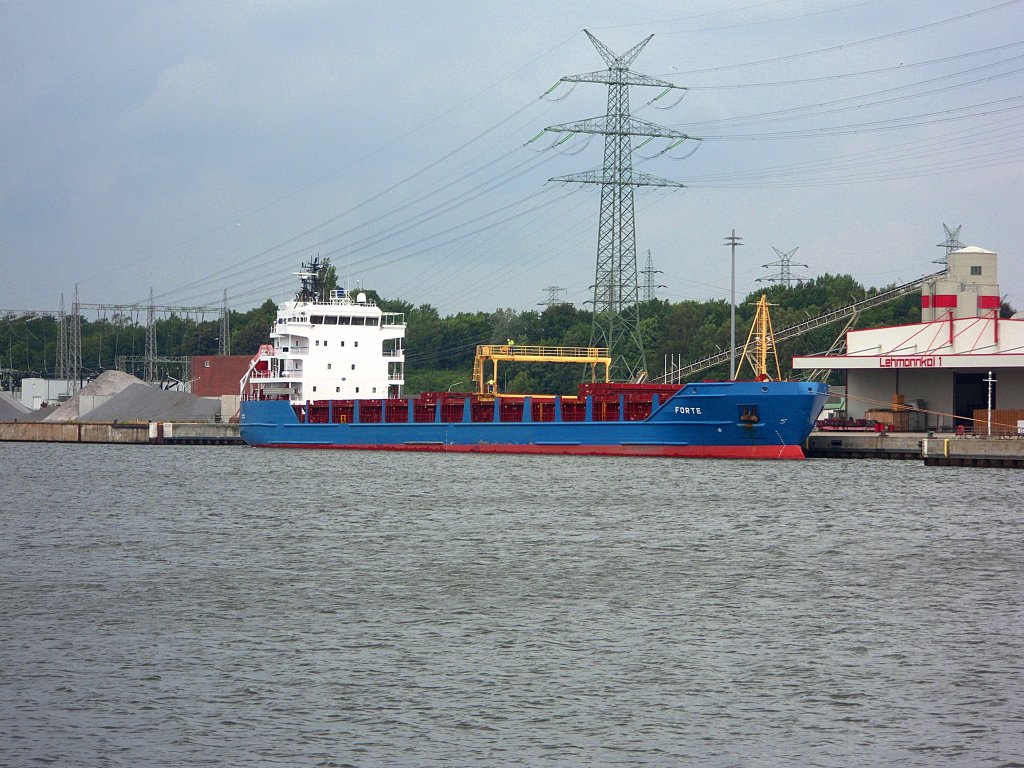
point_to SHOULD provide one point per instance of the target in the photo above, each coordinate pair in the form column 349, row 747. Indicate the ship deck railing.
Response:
column 533, row 353
column 544, row 353
column 461, row 408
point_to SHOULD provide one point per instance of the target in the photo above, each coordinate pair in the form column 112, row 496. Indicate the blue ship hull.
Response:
column 705, row 420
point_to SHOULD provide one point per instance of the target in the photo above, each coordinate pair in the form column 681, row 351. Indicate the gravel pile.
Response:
column 11, row 409
column 119, row 396
column 107, row 384
column 141, row 402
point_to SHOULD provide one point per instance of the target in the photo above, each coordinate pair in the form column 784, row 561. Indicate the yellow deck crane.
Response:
column 527, row 353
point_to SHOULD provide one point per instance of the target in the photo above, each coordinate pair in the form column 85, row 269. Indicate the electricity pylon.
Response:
column 785, row 264
column 554, row 300
column 649, row 272
column 952, row 244
column 616, row 290
column 151, row 340
column 63, row 351
column 224, row 345
column 74, row 349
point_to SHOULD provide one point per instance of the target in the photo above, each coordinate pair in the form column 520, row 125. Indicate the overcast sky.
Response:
column 202, row 147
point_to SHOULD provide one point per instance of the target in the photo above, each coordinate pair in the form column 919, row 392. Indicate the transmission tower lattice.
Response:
column 649, row 272
column 225, row 327
column 785, row 264
column 75, row 346
column 553, row 300
column 151, row 339
column 952, row 244
column 63, row 351
column 616, row 290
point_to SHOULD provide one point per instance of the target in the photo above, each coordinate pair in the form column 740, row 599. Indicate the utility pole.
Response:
column 990, row 381
column 616, row 292
column 732, row 241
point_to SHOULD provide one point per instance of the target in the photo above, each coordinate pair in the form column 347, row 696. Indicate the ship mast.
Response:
column 761, row 344
column 310, row 279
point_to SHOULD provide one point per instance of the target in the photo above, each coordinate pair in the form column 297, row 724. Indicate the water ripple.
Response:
column 175, row 606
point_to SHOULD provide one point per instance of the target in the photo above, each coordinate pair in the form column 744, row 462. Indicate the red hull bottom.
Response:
column 773, row 452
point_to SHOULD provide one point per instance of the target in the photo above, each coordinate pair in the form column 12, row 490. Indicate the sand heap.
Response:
column 97, row 391
column 141, row 402
column 11, row 409
column 119, row 396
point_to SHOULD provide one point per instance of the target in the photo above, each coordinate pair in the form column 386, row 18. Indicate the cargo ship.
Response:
column 333, row 376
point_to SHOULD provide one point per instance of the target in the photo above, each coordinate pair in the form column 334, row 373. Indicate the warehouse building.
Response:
column 947, row 371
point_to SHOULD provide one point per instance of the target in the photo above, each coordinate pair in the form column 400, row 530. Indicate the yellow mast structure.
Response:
column 761, row 344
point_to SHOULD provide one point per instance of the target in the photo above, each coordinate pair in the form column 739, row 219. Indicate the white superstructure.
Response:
column 341, row 349
column 949, row 364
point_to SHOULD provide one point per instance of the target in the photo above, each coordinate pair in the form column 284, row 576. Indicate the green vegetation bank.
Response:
column 441, row 349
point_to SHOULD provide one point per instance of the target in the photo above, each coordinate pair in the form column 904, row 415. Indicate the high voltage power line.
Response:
column 424, row 244
column 616, row 302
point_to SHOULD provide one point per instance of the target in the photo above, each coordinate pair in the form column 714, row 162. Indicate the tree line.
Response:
column 440, row 350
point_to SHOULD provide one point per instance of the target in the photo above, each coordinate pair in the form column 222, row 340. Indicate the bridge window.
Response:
column 975, row 270
column 331, row 320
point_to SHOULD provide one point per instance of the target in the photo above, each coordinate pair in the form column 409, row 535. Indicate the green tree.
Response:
column 252, row 328
column 327, row 277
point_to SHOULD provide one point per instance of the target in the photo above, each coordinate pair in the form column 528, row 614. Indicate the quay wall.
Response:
column 863, row 445
column 968, row 451
column 973, row 452
column 58, row 432
column 123, row 433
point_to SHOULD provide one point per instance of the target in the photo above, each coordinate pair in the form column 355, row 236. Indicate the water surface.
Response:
column 168, row 606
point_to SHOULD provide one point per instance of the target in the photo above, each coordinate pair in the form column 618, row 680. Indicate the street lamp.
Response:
column 990, row 381
column 455, row 385
column 732, row 241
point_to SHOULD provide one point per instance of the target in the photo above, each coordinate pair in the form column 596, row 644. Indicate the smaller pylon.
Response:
column 151, row 340
column 225, row 327
column 952, row 244
column 785, row 264
column 649, row 272
column 75, row 346
column 761, row 344
column 63, row 353
column 553, row 297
